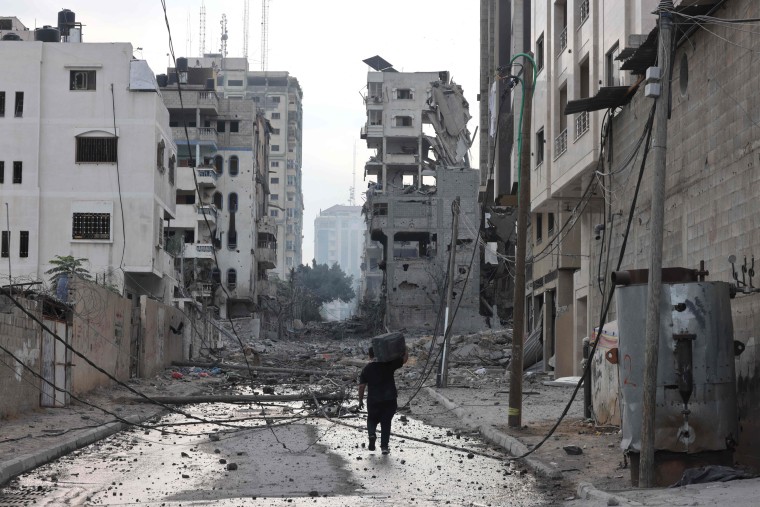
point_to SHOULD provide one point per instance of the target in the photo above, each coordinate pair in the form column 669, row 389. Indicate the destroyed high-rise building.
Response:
column 417, row 125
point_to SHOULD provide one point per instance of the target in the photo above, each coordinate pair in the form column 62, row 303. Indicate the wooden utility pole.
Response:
column 659, row 152
column 514, row 417
column 443, row 371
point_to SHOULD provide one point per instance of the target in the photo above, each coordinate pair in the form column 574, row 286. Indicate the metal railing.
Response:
column 562, row 41
column 585, row 8
column 207, row 209
column 560, row 144
column 581, row 124
column 208, row 173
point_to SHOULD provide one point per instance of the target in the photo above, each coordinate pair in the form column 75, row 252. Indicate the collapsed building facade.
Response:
column 416, row 179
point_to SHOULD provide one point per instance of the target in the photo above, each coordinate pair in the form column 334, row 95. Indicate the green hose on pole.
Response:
column 522, row 108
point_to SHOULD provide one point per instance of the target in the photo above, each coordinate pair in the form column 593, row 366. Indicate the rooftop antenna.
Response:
column 202, row 37
column 223, row 24
column 246, row 8
column 264, row 33
column 189, row 41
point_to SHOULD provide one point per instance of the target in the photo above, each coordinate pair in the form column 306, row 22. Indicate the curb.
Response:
column 508, row 442
column 24, row 463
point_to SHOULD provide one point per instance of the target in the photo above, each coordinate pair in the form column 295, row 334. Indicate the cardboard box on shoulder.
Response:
column 389, row 346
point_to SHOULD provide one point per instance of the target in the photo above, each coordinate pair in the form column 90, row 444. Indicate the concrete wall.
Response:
column 101, row 327
column 19, row 389
column 712, row 184
column 159, row 345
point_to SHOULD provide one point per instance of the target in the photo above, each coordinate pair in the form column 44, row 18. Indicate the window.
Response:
column 539, row 228
column 232, row 202
column 289, row 261
column 276, row 132
column 23, row 247
column 2, row 172
column 540, row 53
column 275, row 163
column 275, row 100
column 232, row 240
column 289, row 245
column 404, row 93
column 274, row 213
column 96, row 149
column 234, row 126
column 291, row 179
column 231, row 279
column 219, row 164
column 274, row 181
column 82, row 80
column 275, row 147
column 218, row 200
column 402, row 121
column 220, row 126
column 290, row 213
column 19, row 107
column 185, row 197
column 234, row 166
column 216, row 275
column 91, row 226
column 256, row 99
column 540, row 141
column 5, row 251
column 17, row 170
column 2, row 104
column 612, row 68
column 275, row 116
column 584, row 10
column 172, row 165
column 291, row 197
column 274, row 197
column 550, row 223
column 290, row 229
column 160, row 153
column 234, row 82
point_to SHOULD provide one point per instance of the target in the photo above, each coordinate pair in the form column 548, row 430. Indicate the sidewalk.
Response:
column 597, row 476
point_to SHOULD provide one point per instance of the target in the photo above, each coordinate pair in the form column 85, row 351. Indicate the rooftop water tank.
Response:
column 66, row 20
column 11, row 36
column 181, row 64
column 163, row 80
column 47, row 34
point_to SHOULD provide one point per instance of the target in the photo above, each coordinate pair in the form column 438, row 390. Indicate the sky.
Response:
column 322, row 43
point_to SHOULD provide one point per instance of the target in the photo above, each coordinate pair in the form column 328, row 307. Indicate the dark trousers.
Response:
column 380, row 412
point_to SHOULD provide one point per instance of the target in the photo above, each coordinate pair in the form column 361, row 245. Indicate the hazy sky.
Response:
column 322, row 43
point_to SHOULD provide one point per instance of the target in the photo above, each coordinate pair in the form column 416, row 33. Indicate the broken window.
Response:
column 414, row 245
column 218, row 200
column 402, row 121
column 172, row 165
column 219, row 164
column 234, row 165
column 23, row 248
column 82, row 80
column 91, row 226
column 96, row 149
column 380, row 209
column 160, row 152
column 404, row 93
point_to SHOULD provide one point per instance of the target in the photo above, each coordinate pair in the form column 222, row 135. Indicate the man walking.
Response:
column 381, row 398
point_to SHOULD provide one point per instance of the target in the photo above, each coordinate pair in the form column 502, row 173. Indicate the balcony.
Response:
column 198, row 251
column 374, row 130
column 206, row 177
column 205, row 100
column 560, row 144
column 207, row 137
column 203, row 290
column 267, row 225
column 266, row 254
column 206, row 212
column 581, row 124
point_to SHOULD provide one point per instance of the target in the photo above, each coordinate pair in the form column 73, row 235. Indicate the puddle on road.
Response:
column 311, row 461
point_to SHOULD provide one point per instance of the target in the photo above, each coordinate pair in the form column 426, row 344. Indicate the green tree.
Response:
column 318, row 284
column 67, row 265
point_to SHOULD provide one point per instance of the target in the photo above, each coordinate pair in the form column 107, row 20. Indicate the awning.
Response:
column 607, row 97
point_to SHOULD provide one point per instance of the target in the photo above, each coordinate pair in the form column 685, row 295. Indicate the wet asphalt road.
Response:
column 309, row 461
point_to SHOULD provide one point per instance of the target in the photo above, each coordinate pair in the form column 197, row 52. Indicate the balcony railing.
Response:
column 560, row 144
column 562, row 41
column 584, row 7
column 207, row 177
column 198, row 251
column 581, row 124
column 207, row 134
column 207, row 212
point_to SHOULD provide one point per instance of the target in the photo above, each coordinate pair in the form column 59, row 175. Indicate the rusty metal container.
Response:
column 696, row 412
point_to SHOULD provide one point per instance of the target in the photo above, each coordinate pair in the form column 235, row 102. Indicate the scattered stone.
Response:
column 573, row 450
column 223, row 461
column 213, row 438
column 232, row 466
column 314, row 493
column 184, row 455
column 470, row 455
column 613, row 501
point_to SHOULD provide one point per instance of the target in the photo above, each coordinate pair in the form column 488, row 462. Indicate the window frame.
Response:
column 5, row 244
column 540, row 143
column 18, row 108
column 99, row 236
column 111, row 152
column 89, row 80
column 232, row 202
column 233, row 168
column 23, row 244
column 231, row 274
column 2, row 104
column 540, row 51
column 234, row 126
column 18, row 172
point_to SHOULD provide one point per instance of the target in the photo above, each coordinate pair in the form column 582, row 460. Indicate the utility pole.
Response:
column 659, row 152
column 443, row 371
column 514, row 414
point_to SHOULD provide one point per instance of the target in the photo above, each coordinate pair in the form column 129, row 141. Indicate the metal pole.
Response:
column 514, row 415
column 443, row 372
column 659, row 151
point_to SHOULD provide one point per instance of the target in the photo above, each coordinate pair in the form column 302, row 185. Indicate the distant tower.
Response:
column 223, row 24
column 264, row 33
column 202, row 37
column 189, row 41
column 246, row 6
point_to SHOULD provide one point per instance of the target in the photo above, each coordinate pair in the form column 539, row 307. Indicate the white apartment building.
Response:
column 339, row 238
column 87, row 162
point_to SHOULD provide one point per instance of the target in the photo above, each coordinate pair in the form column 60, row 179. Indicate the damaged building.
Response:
column 417, row 125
